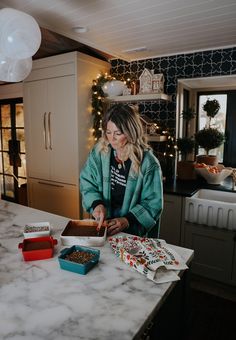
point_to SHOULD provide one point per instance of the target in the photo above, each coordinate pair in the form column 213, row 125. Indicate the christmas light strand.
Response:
column 98, row 103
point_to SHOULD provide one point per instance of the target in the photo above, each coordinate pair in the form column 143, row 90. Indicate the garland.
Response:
column 98, row 103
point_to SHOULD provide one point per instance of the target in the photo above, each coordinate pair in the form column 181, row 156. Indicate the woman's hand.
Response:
column 99, row 213
column 116, row 225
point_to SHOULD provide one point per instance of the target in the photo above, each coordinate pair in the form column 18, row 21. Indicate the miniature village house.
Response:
column 148, row 125
column 152, row 130
column 150, row 82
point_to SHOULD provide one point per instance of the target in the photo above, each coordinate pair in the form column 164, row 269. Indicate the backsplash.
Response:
column 193, row 65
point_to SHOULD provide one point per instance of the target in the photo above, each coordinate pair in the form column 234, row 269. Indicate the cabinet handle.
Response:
column 44, row 131
column 51, row 184
column 49, row 131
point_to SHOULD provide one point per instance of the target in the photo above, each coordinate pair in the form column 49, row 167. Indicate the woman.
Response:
column 121, row 182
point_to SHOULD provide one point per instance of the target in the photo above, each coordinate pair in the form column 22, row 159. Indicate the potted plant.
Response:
column 209, row 138
column 185, row 146
column 187, row 114
column 211, row 107
column 185, row 167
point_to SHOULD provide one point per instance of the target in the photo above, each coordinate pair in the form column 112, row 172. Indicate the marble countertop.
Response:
column 39, row 301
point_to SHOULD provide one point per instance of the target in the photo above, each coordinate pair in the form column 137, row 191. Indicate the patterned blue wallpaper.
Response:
column 193, row 65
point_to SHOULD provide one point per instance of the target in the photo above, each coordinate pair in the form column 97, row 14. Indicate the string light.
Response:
column 97, row 103
column 171, row 146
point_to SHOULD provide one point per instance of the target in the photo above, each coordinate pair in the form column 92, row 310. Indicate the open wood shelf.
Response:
column 156, row 138
column 139, row 97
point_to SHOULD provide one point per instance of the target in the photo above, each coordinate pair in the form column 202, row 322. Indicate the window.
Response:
column 12, row 148
column 210, row 86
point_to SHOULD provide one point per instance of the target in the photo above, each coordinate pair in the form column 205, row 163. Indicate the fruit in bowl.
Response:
column 213, row 174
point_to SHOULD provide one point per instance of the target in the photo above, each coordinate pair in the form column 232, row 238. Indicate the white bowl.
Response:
column 113, row 88
column 213, row 178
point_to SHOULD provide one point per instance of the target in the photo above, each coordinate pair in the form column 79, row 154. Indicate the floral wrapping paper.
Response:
column 150, row 257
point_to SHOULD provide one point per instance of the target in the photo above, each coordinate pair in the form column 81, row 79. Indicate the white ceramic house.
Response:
column 158, row 83
column 145, row 81
column 150, row 82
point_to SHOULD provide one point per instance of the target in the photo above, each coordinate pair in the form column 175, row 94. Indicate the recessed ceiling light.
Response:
column 136, row 49
column 80, row 29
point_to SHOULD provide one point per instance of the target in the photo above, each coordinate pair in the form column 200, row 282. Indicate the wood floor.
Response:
column 212, row 314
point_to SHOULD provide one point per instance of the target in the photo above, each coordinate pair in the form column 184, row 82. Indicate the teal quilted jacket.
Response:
column 143, row 194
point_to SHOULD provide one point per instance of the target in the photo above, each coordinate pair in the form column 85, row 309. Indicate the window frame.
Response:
column 230, row 142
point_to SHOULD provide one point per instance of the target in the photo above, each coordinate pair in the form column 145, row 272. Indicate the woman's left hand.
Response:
column 116, row 225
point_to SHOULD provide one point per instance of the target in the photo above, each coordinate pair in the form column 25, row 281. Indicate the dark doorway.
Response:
column 12, row 151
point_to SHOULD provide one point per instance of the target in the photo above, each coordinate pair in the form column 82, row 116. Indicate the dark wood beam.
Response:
column 53, row 43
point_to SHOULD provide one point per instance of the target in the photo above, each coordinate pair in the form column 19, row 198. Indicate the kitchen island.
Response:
column 39, row 301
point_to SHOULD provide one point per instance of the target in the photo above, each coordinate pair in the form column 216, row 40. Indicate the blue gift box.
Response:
column 79, row 268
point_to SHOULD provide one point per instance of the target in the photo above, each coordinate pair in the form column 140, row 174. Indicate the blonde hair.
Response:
column 127, row 120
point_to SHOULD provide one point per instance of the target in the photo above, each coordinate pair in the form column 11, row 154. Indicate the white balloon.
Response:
column 13, row 70
column 20, row 35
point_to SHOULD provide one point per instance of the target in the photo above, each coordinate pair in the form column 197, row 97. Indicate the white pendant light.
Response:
column 20, row 35
column 14, row 70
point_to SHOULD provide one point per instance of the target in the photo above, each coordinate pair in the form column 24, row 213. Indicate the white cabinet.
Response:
column 214, row 248
column 57, row 198
column 58, row 129
column 52, row 132
column 214, row 251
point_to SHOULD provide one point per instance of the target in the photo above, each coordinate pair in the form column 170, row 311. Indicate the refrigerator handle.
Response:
column 49, row 131
column 44, row 131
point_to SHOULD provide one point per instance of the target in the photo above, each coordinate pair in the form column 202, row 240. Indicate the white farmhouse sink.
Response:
column 212, row 208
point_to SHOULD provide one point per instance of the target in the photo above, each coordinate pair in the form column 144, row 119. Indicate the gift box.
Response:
column 37, row 248
column 78, row 259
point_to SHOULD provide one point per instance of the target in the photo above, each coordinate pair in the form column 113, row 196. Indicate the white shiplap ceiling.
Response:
column 158, row 27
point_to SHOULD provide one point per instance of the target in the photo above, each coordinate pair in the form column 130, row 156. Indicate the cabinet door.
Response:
column 63, row 129
column 213, row 251
column 53, row 197
column 35, row 109
column 234, row 262
column 52, row 129
column 171, row 218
